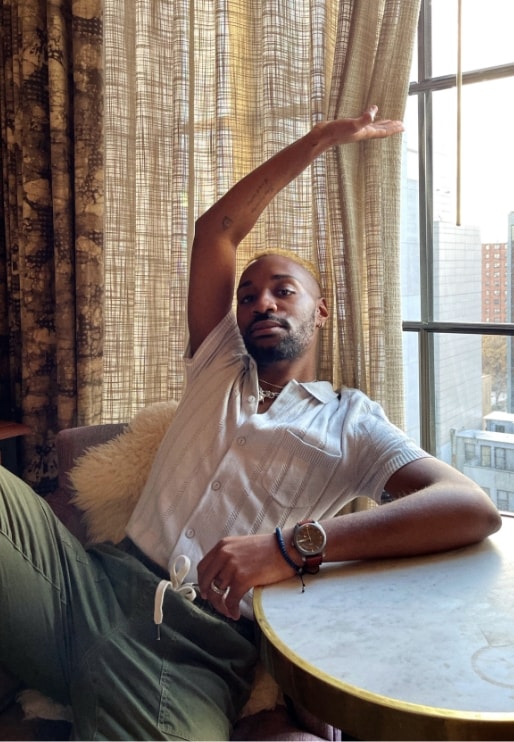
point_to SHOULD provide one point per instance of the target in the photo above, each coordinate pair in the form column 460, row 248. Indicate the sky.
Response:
column 487, row 181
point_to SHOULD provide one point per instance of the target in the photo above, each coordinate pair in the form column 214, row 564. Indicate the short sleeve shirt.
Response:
column 224, row 469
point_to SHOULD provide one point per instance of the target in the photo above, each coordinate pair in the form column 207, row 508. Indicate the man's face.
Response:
column 278, row 309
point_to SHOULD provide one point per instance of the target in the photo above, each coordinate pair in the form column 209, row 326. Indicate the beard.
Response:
column 289, row 348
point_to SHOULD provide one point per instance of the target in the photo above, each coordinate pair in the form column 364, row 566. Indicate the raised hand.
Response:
column 348, row 130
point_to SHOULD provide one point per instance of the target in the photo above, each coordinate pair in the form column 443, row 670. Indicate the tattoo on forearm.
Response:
column 227, row 222
column 261, row 194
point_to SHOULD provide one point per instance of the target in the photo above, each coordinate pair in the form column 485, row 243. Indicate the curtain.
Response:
column 197, row 94
column 51, row 247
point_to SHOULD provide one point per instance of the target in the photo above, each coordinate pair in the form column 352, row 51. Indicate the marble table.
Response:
column 416, row 648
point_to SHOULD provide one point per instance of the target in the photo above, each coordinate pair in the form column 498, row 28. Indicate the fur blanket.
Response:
column 109, row 478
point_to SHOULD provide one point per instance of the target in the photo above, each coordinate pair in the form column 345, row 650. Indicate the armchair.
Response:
column 283, row 722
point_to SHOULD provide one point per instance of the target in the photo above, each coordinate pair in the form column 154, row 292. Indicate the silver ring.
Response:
column 216, row 589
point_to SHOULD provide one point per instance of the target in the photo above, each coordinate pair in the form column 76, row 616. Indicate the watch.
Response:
column 309, row 539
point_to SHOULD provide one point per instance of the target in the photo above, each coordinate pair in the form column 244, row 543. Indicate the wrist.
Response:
column 286, row 556
column 309, row 540
column 323, row 137
column 325, row 134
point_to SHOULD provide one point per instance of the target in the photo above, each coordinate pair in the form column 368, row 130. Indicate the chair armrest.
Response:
column 73, row 442
column 70, row 445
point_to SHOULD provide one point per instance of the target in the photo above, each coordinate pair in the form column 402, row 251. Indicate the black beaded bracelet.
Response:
column 283, row 551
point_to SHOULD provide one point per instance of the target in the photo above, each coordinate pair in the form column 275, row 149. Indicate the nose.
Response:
column 265, row 302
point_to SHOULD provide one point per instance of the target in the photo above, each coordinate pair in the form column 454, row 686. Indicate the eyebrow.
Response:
column 275, row 277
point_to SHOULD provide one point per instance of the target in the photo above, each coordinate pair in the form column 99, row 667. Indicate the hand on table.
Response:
column 235, row 565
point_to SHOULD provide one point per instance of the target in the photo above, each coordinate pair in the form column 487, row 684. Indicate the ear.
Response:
column 321, row 312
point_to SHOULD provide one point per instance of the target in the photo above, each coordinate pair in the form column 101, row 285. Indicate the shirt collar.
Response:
column 323, row 391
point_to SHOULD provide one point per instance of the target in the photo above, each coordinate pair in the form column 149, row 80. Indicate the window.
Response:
column 485, row 456
column 457, row 236
column 499, row 458
column 505, row 500
column 469, row 450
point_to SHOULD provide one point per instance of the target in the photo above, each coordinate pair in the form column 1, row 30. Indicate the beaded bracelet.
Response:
column 283, row 551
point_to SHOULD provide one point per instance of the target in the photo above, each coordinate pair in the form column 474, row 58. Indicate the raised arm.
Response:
column 220, row 230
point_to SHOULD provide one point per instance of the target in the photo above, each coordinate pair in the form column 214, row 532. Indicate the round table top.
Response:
column 425, row 640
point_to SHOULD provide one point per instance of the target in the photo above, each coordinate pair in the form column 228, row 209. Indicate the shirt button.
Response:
column 241, row 441
column 216, row 485
column 190, row 533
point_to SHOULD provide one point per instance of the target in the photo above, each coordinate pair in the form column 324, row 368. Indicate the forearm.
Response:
column 234, row 215
column 439, row 518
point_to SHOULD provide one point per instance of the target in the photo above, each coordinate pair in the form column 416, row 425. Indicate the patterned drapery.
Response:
column 51, row 242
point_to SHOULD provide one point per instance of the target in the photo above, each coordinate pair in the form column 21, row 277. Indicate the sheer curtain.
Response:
column 198, row 92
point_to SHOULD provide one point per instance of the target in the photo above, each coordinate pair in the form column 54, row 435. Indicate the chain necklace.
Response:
column 266, row 394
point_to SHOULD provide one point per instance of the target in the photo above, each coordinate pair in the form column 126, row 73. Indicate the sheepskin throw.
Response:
column 109, row 478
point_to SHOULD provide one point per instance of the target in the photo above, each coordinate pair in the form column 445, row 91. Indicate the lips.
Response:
column 266, row 327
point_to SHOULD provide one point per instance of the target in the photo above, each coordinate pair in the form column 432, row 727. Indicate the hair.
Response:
column 307, row 265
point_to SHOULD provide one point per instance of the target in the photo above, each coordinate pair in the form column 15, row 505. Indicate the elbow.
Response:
column 487, row 514
column 202, row 229
column 495, row 521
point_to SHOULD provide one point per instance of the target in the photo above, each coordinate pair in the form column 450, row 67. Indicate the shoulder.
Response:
column 365, row 420
column 355, row 401
column 223, row 338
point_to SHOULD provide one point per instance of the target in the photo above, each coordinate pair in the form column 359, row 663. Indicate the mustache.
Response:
column 267, row 317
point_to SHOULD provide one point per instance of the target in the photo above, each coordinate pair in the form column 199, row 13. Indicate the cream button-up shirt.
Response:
column 223, row 469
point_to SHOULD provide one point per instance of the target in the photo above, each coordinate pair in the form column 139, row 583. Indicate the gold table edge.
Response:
column 356, row 710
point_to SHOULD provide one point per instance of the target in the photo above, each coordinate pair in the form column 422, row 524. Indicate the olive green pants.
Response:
column 78, row 625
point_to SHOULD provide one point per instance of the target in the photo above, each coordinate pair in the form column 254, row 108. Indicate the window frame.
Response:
column 426, row 327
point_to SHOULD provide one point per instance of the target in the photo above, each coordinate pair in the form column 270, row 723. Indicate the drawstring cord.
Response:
column 178, row 570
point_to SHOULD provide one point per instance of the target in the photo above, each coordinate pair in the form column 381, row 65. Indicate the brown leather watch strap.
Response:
column 312, row 563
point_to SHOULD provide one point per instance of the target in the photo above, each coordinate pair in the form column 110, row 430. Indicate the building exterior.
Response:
column 487, row 457
column 473, row 376
column 495, row 282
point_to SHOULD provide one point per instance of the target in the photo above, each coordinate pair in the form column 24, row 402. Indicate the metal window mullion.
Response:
column 426, row 340
column 446, row 82
column 461, row 328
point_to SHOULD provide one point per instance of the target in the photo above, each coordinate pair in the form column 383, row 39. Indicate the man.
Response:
column 246, row 485
column 280, row 306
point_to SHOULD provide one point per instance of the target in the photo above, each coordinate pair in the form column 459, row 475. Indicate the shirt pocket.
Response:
column 295, row 473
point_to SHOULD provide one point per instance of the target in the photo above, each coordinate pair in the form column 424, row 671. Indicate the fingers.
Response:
column 234, row 565
column 370, row 113
column 231, row 568
column 380, row 127
column 223, row 591
column 224, row 597
column 366, row 126
column 217, row 583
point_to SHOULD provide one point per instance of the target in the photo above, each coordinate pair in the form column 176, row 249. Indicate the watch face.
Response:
column 309, row 538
